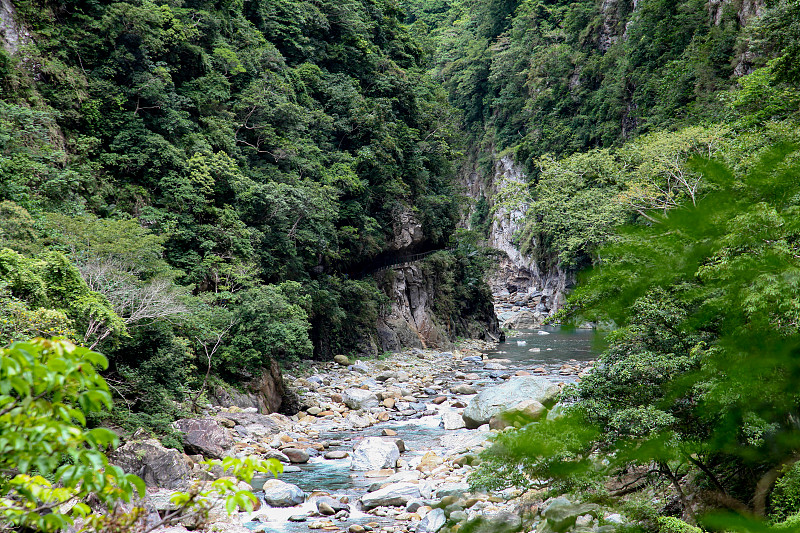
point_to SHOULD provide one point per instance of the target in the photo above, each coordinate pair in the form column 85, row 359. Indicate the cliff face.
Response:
column 526, row 289
column 412, row 318
column 12, row 34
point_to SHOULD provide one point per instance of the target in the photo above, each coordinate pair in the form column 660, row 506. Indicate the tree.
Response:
column 46, row 390
column 50, row 462
column 701, row 376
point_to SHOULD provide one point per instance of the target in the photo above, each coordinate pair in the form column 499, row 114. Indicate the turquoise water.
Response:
column 559, row 346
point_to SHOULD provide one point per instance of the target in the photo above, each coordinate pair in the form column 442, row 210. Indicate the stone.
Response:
column 500, row 398
column 452, row 420
column 341, row 360
column 336, row 454
column 360, row 399
column 493, row 366
column 278, row 493
column 398, row 477
column 389, row 432
column 393, row 494
column 561, row 514
column 158, row 466
column 205, row 436
column 519, row 415
column 452, row 489
column 413, row 505
column 439, row 400
column 615, row 518
column 356, row 528
column 432, row 522
column 314, row 411
column 332, row 504
column 374, row 453
column 298, row 518
column 429, row 462
column 361, row 368
column 295, row 455
column 325, row 509
column 463, row 389
column 389, row 403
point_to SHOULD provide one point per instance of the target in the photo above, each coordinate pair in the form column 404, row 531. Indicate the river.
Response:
column 545, row 352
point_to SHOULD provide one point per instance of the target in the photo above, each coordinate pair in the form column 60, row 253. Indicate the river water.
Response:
column 548, row 348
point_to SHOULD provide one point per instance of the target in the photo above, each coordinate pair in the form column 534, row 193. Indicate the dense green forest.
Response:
column 195, row 184
column 192, row 188
column 660, row 142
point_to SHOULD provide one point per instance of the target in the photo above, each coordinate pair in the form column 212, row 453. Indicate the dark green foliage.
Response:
column 480, row 221
column 233, row 163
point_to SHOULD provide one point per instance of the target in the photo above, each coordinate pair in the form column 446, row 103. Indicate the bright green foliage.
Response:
column 20, row 322
column 670, row 524
column 52, row 282
column 701, row 373
column 46, row 390
column 785, row 498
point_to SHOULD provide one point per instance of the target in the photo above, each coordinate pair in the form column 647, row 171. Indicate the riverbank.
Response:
column 380, row 445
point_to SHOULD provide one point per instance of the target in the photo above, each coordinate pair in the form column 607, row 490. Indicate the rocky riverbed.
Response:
column 383, row 445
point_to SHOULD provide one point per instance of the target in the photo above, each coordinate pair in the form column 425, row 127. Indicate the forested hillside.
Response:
column 658, row 143
column 191, row 185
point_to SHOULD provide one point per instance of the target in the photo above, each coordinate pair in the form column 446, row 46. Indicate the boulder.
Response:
column 562, row 514
column 281, row 494
column 331, row 503
column 452, row 489
column 360, row 399
column 374, row 453
column 341, row 360
column 432, row 522
column 452, row 420
column 500, row 398
column 519, row 415
column 336, row 454
column 158, row 466
column 394, row 494
column 204, row 436
column 295, row 455
column 463, row 389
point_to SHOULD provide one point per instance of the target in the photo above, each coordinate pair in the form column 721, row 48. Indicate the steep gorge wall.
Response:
column 518, row 278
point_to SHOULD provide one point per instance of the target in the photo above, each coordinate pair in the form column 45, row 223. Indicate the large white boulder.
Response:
column 394, row 494
column 374, row 453
column 360, row 399
column 495, row 400
column 278, row 493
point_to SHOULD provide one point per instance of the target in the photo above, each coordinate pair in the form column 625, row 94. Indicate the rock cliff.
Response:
column 527, row 289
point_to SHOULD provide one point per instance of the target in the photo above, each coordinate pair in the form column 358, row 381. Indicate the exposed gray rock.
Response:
column 463, row 389
column 332, row 503
column 394, row 494
column 432, row 522
column 499, row 398
column 295, row 455
column 204, row 436
column 374, row 453
column 280, row 494
column 360, row 399
column 562, row 514
column 158, row 466
column 452, row 489
column 452, row 420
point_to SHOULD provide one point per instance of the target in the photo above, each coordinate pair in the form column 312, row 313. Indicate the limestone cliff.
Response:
column 534, row 285
column 12, row 33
